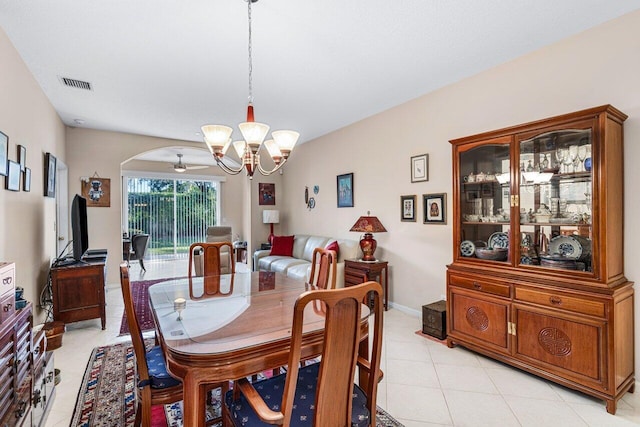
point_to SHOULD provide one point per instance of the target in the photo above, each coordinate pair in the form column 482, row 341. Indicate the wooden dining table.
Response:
column 232, row 326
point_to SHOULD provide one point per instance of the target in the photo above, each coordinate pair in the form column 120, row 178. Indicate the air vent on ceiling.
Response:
column 78, row 84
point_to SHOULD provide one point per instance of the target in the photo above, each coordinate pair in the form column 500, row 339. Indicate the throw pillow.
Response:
column 333, row 246
column 282, row 245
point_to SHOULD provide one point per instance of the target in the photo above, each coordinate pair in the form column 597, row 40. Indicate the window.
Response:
column 174, row 212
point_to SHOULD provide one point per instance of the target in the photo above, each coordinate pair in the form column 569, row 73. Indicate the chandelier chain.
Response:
column 250, row 55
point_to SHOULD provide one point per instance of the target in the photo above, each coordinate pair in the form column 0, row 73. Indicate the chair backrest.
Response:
column 139, row 244
column 219, row 233
column 323, row 268
column 211, row 254
column 342, row 336
column 134, row 326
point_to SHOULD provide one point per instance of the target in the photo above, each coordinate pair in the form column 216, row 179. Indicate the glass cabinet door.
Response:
column 555, row 199
column 485, row 175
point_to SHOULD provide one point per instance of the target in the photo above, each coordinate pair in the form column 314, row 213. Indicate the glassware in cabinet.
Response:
column 554, row 199
column 484, row 209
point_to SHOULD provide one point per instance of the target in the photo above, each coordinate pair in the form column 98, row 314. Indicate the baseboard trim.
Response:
column 405, row 309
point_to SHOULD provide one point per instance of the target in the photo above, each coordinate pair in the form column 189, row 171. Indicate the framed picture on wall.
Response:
column 435, row 208
column 344, row 188
column 266, row 193
column 26, row 185
column 4, row 153
column 420, row 168
column 408, row 208
column 97, row 191
column 12, row 181
column 22, row 157
column 49, row 175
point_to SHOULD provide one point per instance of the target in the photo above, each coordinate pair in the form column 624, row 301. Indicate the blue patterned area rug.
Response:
column 107, row 396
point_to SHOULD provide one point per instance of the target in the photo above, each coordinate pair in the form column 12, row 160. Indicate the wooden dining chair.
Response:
column 324, row 393
column 323, row 268
column 155, row 386
column 214, row 259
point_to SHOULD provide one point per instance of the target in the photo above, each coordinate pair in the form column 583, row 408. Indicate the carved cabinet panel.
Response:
column 572, row 345
column 480, row 318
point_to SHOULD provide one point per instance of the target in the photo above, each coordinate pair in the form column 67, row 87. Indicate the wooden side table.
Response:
column 241, row 253
column 356, row 272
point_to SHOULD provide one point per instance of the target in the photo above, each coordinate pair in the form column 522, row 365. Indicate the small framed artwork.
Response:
column 26, row 184
column 267, row 193
column 12, row 181
column 97, row 191
column 471, row 195
column 420, row 168
column 408, row 208
column 344, row 187
column 22, row 157
column 49, row 175
column 4, row 154
column 487, row 190
column 435, row 208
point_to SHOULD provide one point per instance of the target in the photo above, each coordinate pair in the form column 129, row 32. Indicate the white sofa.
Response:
column 298, row 266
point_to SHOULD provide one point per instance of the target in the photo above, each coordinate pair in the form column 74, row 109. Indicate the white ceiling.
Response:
column 164, row 68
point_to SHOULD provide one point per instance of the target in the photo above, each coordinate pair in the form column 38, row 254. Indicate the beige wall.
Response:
column 91, row 151
column 597, row 67
column 27, row 224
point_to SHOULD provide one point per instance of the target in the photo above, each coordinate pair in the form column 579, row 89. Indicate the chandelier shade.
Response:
column 218, row 137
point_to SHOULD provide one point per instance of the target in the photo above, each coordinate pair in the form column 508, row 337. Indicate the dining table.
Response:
column 221, row 328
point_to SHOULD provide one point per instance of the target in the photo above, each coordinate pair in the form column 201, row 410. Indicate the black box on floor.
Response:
column 434, row 319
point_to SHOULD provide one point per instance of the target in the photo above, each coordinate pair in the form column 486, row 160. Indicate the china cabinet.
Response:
column 537, row 276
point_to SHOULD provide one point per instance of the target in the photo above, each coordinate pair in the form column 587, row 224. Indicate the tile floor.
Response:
column 425, row 383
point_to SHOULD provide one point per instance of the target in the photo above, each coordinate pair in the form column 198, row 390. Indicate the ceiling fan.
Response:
column 181, row 167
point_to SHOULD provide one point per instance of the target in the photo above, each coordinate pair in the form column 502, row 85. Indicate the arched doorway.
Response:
column 170, row 197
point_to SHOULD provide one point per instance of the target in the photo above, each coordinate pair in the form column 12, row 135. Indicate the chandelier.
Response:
column 218, row 137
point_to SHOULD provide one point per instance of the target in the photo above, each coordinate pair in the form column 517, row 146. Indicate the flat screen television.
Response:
column 79, row 226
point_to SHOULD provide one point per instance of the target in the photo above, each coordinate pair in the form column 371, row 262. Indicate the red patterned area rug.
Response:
column 107, row 396
column 140, row 292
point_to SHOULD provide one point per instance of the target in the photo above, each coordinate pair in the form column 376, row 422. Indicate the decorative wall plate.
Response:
column 566, row 246
column 467, row 248
column 498, row 240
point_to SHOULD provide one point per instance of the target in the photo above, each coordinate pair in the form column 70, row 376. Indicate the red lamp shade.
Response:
column 368, row 225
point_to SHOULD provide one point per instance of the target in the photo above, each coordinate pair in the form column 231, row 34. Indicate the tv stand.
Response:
column 78, row 290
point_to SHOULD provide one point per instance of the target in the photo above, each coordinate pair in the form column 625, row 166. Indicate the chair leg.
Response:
column 142, row 264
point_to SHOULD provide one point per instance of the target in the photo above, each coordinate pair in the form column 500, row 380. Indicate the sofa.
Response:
column 298, row 266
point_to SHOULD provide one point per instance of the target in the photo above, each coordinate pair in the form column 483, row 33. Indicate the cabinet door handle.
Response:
column 555, row 300
column 477, row 286
column 8, row 307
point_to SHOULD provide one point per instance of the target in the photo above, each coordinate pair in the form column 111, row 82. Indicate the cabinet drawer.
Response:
column 354, row 276
column 560, row 300
column 7, row 306
column 494, row 288
column 7, row 278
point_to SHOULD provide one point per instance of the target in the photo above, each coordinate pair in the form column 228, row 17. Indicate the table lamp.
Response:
column 270, row 217
column 367, row 225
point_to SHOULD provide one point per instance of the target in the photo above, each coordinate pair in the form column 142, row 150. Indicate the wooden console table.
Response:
column 78, row 291
column 356, row 272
